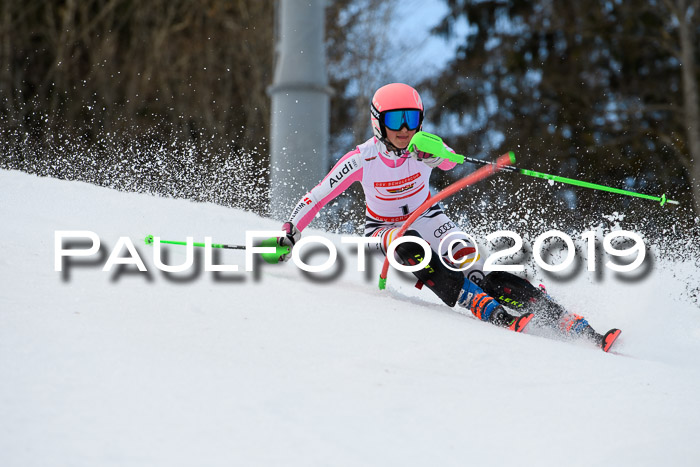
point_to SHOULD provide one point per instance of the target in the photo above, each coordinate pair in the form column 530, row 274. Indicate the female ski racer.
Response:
column 395, row 183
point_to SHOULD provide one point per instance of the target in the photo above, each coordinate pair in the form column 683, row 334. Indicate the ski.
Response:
column 520, row 322
column 609, row 339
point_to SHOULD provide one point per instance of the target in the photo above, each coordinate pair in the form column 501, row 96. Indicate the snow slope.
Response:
column 128, row 368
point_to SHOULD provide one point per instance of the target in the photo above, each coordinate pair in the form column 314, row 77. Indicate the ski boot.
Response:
column 486, row 308
column 573, row 326
column 604, row 341
column 518, row 293
column 453, row 288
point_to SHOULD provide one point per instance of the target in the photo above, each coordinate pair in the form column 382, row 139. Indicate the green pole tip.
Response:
column 382, row 283
column 149, row 239
column 663, row 199
column 511, row 155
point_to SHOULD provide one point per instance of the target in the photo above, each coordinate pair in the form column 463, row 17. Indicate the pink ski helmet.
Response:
column 395, row 96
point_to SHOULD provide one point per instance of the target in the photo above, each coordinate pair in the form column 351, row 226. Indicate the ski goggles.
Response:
column 396, row 119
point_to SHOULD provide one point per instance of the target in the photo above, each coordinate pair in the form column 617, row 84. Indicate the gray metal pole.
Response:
column 300, row 104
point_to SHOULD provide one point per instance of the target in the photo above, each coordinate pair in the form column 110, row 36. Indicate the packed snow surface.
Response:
column 273, row 368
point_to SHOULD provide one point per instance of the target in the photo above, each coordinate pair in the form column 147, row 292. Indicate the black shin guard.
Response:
column 444, row 282
column 516, row 292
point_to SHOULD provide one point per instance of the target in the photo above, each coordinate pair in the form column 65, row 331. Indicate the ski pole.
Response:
column 272, row 258
column 470, row 179
column 428, row 142
column 149, row 241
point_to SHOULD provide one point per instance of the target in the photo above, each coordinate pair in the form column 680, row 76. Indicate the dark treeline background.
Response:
column 100, row 66
column 605, row 91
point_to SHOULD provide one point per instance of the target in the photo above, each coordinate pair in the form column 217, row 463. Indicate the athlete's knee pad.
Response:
column 510, row 289
column 445, row 283
column 518, row 293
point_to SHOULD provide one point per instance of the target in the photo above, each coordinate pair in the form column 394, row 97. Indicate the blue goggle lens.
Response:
column 395, row 119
